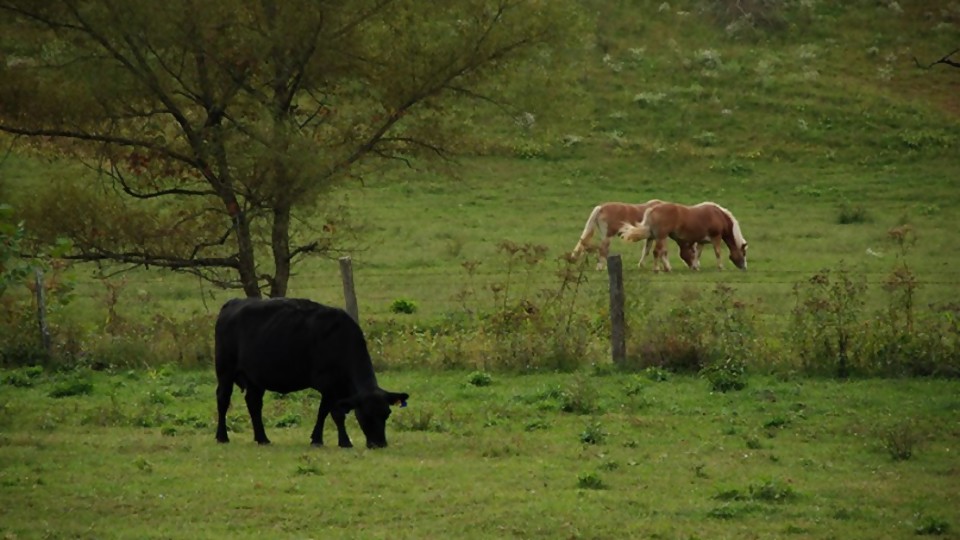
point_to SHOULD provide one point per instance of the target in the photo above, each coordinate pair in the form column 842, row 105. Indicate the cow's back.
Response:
column 288, row 344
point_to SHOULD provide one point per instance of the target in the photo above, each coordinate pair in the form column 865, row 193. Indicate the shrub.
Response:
column 403, row 305
column 726, row 375
column 826, row 316
column 900, row 440
column 73, row 387
column 24, row 377
column 851, row 213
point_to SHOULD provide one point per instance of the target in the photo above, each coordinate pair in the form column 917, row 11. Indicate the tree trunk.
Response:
column 280, row 243
column 247, row 262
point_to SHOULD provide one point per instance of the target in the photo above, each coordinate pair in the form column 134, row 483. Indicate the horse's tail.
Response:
column 634, row 233
column 592, row 223
column 738, row 238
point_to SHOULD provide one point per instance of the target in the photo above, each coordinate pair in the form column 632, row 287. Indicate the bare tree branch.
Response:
column 945, row 60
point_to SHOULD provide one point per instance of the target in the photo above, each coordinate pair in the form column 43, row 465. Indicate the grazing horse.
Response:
column 689, row 225
column 609, row 219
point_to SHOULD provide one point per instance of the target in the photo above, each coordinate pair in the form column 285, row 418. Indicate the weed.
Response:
column 826, row 315
column 480, row 378
column 536, row 425
column 772, row 491
column 423, row 420
column 776, row 422
column 726, row 375
column 308, row 466
column 852, row 213
column 403, row 305
column 900, row 440
column 24, row 377
column 593, row 433
column 930, row 525
column 74, row 387
column 590, row 480
column 288, row 420
column 143, row 465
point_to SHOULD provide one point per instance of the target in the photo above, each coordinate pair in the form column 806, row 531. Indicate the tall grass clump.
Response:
column 901, row 341
column 826, row 317
column 507, row 325
column 714, row 335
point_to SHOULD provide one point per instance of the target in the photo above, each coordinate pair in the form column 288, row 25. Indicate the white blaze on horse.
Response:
column 689, row 225
column 608, row 219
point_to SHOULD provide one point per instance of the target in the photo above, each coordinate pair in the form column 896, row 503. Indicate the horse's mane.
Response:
column 735, row 225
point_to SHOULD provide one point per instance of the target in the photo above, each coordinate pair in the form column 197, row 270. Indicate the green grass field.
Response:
column 538, row 456
column 793, row 129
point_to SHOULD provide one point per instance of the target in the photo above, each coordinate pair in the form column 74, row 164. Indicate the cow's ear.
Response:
column 347, row 405
column 398, row 398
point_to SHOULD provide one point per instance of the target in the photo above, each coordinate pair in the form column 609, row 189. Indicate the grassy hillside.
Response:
column 799, row 115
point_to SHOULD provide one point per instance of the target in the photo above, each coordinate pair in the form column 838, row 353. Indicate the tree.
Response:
column 217, row 126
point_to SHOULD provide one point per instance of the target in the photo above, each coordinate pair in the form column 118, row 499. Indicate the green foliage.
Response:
column 826, row 315
column 76, row 385
column 900, row 440
column 12, row 268
column 24, row 377
column 593, row 433
column 165, row 446
column 931, row 525
column 480, row 378
column 852, row 213
column 403, row 305
column 590, row 480
column 772, row 491
column 726, row 375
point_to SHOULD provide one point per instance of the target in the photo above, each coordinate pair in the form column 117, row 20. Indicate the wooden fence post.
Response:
column 618, row 345
column 349, row 293
column 42, row 310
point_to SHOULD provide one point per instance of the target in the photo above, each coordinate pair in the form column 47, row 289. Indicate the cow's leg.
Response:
column 224, row 391
column 316, row 438
column 343, row 440
column 254, row 399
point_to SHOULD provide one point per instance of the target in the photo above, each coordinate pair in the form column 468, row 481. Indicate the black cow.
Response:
column 284, row 345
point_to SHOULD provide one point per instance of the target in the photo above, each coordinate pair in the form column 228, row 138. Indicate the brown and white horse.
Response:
column 689, row 225
column 609, row 219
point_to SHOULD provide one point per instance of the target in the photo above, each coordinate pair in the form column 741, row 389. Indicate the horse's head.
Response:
column 739, row 256
column 690, row 255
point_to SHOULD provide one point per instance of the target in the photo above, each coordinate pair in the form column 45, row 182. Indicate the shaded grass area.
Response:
column 135, row 456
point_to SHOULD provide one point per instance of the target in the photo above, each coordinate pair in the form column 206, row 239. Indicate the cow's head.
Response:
column 372, row 410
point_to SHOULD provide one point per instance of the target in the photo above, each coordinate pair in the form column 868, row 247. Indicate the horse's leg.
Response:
column 716, row 251
column 604, row 250
column 645, row 251
column 664, row 255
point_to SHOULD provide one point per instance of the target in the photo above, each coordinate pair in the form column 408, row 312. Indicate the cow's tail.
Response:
column 592, row 224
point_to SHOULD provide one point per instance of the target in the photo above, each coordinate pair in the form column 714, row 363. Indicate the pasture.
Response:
column 823, row 138
column 476, row 455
